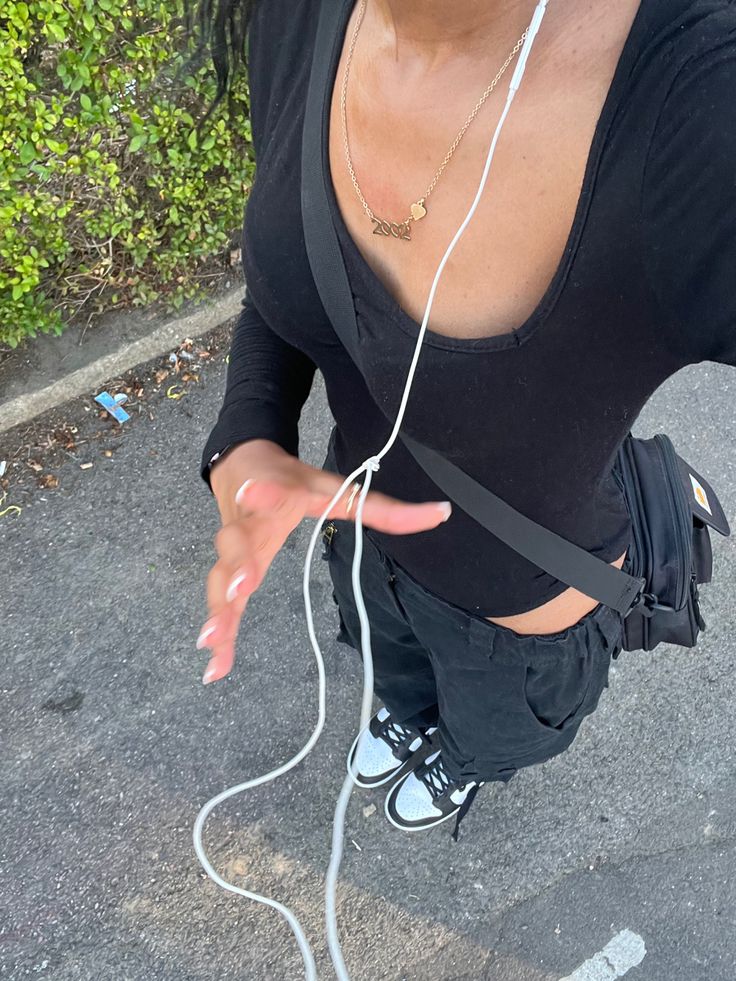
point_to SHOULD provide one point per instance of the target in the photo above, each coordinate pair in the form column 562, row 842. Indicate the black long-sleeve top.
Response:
column 647, row 285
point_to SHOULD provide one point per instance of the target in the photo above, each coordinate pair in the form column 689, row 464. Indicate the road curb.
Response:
column 25, row 407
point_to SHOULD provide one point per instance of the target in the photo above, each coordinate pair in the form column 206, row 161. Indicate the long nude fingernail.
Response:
column 242, row 489
column 232, row 589
column 202, row 639
column 446, row 509
column 209, row 674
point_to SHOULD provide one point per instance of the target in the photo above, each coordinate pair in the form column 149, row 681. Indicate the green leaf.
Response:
column 55, row 29
column 27, row 153
column 192, row 140
column 137, row 142
column 85, row 101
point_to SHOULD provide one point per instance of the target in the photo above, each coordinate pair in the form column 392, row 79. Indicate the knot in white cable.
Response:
column 373, row 463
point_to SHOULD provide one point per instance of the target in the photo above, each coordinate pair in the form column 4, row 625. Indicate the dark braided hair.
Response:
column 219, row 29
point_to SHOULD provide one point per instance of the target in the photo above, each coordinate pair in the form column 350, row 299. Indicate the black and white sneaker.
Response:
column 383, row 749
column 428, row 796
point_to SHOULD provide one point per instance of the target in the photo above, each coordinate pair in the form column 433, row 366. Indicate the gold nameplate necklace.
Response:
column 402, row 229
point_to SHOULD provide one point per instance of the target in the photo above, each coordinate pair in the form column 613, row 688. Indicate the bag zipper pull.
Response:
column 328, row 533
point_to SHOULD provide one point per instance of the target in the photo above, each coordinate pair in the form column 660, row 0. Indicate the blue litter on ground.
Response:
column 113, row 405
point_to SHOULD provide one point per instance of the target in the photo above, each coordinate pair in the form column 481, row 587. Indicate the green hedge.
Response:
column 111, row 194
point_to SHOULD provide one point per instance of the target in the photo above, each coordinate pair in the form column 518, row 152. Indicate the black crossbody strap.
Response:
column 560, row 558
column 323, row 248
column 556, row 555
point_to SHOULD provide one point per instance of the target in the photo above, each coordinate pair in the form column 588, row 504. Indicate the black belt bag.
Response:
column 671, row 506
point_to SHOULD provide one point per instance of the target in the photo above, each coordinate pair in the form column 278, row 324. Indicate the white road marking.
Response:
column 625, row 951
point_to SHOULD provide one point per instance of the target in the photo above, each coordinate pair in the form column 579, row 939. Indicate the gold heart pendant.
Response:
column 418, row 211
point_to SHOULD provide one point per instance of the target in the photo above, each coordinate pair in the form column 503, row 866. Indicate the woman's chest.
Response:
column 397, row 146
column 557, row 224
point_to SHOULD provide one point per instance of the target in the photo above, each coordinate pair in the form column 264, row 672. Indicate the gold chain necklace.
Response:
column 419, row 208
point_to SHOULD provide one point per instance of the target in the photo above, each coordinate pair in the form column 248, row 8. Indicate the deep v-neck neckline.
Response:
column 358, row 264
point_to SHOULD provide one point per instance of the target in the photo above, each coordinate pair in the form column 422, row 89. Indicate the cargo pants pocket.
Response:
column 563, row 685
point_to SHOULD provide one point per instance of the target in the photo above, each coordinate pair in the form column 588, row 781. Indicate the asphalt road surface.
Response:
column 110, row 745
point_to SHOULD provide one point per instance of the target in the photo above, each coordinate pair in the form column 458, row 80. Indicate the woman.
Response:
column 599, row 262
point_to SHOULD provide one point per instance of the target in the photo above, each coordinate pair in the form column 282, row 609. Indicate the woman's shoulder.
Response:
column 701, row 58
column 282, row 30
column 281, row 38
column 684, row 68
column 687, row 201
column 690, row 31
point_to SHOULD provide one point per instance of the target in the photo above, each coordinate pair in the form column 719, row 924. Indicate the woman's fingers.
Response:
column 275, row 497
column 219, row 632
column 220, row 663
column 246, row 549
column 226, row 607
column 270, row 509
column 238, row 550
column 380, row 512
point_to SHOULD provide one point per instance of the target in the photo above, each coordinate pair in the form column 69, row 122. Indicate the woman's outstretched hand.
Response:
column 263, row 493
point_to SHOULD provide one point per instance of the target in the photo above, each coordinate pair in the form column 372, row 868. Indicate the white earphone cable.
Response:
column 369, row 467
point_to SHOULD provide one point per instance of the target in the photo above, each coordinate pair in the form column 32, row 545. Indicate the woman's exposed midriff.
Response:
column 558, row 614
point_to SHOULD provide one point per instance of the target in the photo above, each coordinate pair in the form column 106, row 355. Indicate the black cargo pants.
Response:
column 501, row 700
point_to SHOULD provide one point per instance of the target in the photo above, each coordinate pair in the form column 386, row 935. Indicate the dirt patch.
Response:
column 82, row 430
column 43, row 360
